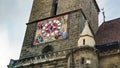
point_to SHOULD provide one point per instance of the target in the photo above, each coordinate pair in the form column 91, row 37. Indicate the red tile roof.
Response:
column 108, row 32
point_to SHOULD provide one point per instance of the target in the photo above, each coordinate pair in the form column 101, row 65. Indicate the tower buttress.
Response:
column 85, row 54
column 86, row 37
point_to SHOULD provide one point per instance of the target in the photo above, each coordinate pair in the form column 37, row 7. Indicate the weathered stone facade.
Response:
column 42, row 9
column 110, row 59
column 64, row 51
column 73, row 36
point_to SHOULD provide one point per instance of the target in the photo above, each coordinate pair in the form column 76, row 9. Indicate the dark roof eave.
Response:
column 113, row 45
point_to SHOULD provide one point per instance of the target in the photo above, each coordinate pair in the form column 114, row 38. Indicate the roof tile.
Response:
column 108, row 32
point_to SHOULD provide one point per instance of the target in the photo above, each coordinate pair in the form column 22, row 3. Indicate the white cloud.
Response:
column 8, row 50
column 4, row 47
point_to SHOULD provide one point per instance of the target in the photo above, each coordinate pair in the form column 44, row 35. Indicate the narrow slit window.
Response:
column 55, row 4
column 82, row 60
column 83, row 41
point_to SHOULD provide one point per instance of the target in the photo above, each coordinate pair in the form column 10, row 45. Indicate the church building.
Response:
column 65, row 34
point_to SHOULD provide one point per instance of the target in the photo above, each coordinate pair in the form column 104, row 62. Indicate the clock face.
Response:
column 51, row 29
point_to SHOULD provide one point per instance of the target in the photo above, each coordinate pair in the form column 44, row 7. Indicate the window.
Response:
column 83, row 41
column 54, row 8
column 82, row 60
column 47, row 49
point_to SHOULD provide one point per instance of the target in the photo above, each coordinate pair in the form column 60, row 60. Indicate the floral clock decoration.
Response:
column 51, row 29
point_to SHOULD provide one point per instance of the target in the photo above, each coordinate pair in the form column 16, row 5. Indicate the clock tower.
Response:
column 53, row 28
column 51, row 16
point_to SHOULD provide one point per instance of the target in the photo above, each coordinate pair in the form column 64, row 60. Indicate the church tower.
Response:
column 76, row 12
column 53, row 28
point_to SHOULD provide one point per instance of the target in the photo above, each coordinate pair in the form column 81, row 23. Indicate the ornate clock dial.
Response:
column 51, row 28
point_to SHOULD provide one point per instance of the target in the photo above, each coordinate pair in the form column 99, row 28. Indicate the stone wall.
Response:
column 91, row 12
column 50, row 60
column 110, row 60
column 73, row 32
column 28, row 41
column 42, row 9
column 53, row 64
column 88, row 6
column 89, row 55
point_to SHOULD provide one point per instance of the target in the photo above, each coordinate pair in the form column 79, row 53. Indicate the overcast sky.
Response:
column 14, row 14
